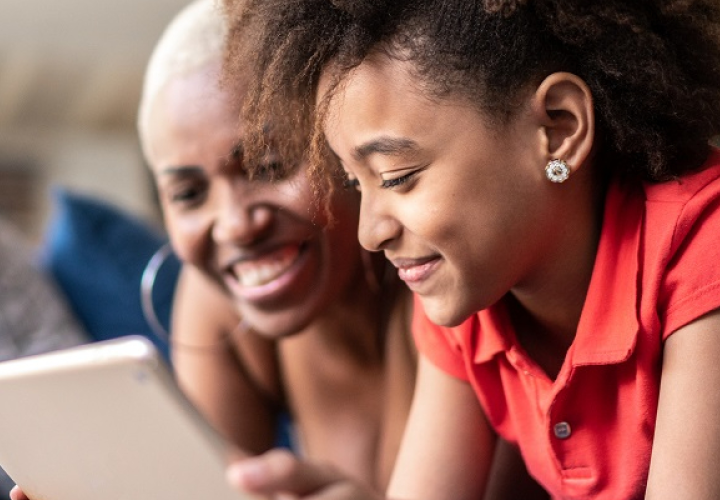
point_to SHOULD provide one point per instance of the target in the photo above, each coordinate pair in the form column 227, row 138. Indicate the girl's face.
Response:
column 263, row 242
column 457, row 205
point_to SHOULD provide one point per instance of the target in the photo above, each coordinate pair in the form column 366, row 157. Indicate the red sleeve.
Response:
column 438, row 344
column 691, row 287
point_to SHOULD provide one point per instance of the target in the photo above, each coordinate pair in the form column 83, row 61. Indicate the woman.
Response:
column 261, row 265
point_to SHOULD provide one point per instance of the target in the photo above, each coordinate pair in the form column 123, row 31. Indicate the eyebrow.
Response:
column 389, row 146
column 181, row 170
column 235, row 151
column 238, row 150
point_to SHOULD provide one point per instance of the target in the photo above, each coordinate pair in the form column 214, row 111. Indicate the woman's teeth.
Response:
column 264, row 269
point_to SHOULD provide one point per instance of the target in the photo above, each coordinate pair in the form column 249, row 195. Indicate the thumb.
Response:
column 280, row 471
column 17, row 494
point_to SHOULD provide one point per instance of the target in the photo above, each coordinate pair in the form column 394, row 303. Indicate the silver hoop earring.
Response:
column 147, row 281
column 557, row 171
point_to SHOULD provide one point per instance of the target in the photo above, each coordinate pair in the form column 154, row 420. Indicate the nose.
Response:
column 241, row 218
column 377, row 227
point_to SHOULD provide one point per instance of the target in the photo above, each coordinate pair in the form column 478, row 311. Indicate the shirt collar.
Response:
column 609, row 323
column 608, row 326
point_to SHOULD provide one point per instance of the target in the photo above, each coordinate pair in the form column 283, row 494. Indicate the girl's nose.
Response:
column 377, row 227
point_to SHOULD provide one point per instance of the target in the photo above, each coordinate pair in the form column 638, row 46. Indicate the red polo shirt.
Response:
column 588, row 434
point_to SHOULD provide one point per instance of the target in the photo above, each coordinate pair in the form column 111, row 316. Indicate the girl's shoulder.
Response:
column 701, row 184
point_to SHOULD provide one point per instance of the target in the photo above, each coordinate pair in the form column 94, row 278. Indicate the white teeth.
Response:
column 263, row 270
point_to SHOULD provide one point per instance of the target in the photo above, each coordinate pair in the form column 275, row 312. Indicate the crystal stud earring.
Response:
column 557, row 171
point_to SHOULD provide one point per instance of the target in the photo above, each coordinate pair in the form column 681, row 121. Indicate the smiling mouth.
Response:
column 267, row 268
column 414, row 272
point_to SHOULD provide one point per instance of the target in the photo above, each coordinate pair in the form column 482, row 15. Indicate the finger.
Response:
column 345, row 490
column 17, row 494
column 280, row 471
column 285, row 496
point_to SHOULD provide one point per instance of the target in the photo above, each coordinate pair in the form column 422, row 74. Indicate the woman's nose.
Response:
column 242, row 222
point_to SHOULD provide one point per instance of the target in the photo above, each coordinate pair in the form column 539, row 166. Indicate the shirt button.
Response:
column 562, row 430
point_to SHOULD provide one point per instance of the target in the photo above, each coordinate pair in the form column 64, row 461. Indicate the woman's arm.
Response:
column 686, row 449
column 445, row 454
column 209, row 370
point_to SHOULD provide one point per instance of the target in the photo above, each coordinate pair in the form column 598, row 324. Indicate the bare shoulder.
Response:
column 232, row 377
column 205, row 316
column 201, row 310
column 208, row 327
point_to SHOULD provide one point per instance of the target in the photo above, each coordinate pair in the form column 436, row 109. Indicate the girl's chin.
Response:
column 444, row 311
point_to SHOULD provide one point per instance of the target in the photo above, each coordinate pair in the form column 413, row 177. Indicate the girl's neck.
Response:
column 546, row 315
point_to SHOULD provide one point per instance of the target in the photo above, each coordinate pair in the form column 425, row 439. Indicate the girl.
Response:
column 539, row 172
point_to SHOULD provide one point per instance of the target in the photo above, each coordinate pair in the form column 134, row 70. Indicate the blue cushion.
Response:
column 97, row 253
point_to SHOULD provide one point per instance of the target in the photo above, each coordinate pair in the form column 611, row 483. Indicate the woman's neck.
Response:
column 356, row 324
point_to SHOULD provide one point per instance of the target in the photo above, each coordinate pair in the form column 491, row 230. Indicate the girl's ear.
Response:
column 563, row 105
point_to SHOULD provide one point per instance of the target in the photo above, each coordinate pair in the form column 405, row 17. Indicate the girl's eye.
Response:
column 398, row 181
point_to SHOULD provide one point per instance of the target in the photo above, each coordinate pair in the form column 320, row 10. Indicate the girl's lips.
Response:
column 266, row 275
column 415, row 272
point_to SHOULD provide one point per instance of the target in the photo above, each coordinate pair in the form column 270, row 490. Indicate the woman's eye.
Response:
column 351, row 184
column 186, row 196
column 397, row 181
column 272, row 170
column 268, row 171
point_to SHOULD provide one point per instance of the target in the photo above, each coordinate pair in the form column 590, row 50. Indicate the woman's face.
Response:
column 458, row 206
column 264, row 243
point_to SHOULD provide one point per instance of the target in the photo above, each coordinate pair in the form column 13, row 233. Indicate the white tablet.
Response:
column 106, row 421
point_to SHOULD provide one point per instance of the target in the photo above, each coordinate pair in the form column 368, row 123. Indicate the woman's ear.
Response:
column 564, row 106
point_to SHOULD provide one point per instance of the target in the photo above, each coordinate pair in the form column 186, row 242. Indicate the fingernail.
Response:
column 246, row 474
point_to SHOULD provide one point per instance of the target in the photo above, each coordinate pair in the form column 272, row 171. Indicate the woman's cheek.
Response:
column 190, row 237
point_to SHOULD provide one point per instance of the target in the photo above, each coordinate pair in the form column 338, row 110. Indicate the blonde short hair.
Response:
column 194, row 39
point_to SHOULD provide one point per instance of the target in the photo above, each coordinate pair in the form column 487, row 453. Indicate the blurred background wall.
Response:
column 70, row 78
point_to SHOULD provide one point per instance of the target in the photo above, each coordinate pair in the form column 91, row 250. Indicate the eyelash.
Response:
column 385, row 184
column 397, row 181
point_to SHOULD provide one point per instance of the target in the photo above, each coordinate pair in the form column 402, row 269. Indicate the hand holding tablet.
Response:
column 107, row 421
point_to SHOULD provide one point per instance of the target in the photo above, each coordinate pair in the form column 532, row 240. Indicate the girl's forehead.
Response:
column 376, row 76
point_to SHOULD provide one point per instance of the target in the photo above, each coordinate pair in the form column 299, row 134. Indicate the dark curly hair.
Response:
column 653, row 66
